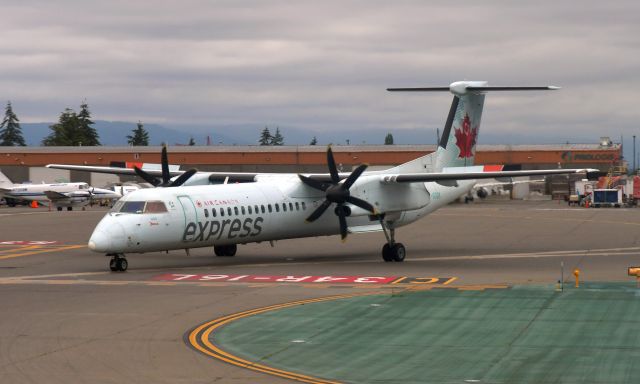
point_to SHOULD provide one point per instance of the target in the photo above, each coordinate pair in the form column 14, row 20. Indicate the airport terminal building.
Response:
column 23, row 164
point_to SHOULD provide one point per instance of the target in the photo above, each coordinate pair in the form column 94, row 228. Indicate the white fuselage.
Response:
column 77, row 194
column 273, row 209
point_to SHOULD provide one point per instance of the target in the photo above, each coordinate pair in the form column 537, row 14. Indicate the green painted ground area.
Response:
column 516, row 335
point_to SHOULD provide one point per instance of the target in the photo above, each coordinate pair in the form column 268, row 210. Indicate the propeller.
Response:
column 337, row 193
column 166, row 175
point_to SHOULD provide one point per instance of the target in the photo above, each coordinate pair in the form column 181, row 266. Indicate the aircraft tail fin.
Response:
column 457, row 146
column 4, row 181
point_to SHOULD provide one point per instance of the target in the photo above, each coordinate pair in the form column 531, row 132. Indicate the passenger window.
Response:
column 242, row 209
column 213, row 212
column 291, row 206
column 284, row 207
column 235, row 209
column 250, row 210
column 222, row 212
column 297, row 206
column 262, row 209
column 304, row 206
column 277, row 207
column 269, row 206
column 206, row 212
column 229, row 211
column 257, row 209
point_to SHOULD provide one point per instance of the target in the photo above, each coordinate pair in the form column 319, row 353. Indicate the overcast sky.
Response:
column 324, row 65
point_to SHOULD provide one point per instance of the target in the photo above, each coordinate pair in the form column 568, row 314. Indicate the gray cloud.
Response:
column 323, row 65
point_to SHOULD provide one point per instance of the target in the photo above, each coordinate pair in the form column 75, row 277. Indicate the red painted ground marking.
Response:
column 277, row 279
column 29, row 242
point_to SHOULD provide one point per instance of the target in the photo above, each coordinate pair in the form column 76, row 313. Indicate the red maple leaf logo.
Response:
column 466, row 138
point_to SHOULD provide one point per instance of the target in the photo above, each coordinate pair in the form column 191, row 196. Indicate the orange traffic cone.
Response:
column 34, row 204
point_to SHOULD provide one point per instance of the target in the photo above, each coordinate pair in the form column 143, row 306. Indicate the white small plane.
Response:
column 222, row 210
column 59, row 194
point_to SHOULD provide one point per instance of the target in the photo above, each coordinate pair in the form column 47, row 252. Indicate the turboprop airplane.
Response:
column 221, row 210
column 59, row 194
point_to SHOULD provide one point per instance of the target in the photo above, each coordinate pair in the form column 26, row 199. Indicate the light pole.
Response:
column 634, row 154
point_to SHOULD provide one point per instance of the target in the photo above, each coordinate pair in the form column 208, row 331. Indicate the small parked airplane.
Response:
column 226, row 209
column 59, row 194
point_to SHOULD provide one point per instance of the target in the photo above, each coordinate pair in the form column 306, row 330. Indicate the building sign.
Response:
column 590, row 157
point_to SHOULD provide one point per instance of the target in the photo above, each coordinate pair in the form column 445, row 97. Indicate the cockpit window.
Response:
column 132, row 207
column 155, row 207
column 139, row 207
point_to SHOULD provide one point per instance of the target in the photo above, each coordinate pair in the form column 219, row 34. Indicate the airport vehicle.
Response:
column 61, row 195
column 607, row 198
column 203, row 209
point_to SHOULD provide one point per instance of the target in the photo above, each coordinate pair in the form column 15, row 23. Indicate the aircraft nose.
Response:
column 99, row 241
column 108, row 237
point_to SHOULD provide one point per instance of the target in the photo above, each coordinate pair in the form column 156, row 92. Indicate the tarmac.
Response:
column 475, row 301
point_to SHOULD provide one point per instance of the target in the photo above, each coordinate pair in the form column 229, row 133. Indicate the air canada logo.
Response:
column 466, row 137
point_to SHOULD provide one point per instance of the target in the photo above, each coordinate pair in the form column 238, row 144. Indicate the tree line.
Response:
column 76, row 129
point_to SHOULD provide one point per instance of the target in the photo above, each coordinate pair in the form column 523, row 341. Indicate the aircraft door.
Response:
column 189, row 210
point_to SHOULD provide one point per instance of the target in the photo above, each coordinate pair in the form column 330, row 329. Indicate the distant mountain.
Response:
column 114, row 133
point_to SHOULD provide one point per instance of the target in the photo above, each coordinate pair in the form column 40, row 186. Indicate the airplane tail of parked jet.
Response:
column 457, row 145
column 4, row 181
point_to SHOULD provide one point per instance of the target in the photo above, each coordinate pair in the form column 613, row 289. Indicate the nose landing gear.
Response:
column 391, row 251
column 118, row 262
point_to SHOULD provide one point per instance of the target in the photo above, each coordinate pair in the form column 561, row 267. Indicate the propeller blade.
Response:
column 146, row 177
column 166, row 176
column 184, row 177
column 343, row 225
column 333, row 170
column 319, row 211
column 362, row 204
column 313, row 183
column 354, row 176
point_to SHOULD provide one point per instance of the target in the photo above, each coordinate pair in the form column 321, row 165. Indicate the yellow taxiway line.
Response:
column 36, row 249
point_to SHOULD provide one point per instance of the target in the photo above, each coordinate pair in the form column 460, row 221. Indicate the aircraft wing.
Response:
column 230, row 177
column 53, row 195
column 452, row 175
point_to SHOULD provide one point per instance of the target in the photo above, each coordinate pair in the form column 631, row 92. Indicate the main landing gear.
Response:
column 225, row 250
column 118, row 262
column 391, row 251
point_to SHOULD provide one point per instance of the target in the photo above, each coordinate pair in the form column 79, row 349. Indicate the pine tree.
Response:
column 277, row 138
column 139, row 136
column 314, row 141
column 265, row 137
column 388, row 140
column 192, row 142
column 10, row 131
column 65, row 132
column 88, row 134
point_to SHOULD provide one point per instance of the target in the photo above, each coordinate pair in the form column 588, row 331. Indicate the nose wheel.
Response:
column 118, row 263
column 392, row 251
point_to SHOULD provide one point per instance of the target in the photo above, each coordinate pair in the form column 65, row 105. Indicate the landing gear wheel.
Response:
column 122, row 264
column 398, row 252
column 59, row 208
column 69, row 208
column 118, row 263
column 386, row 253
column 225, row 250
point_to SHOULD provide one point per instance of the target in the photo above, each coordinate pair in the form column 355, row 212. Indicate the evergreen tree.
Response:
column 139, row 136
column 192, row 142
column 388, row 140
column 65, row 132
column 265, row 137
column 277, row 138
column 88, row 134
column 10, row 131
column 314, row 141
